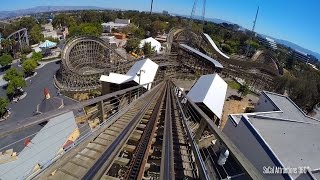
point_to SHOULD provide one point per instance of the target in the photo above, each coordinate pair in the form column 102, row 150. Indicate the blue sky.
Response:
column 295, row 20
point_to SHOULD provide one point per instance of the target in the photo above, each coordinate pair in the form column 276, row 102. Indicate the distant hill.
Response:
column 214, row 20
column 294, row 46
column 297, row 47
column 41, row 9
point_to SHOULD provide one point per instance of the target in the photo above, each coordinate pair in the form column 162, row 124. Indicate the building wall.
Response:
column 122, row 21
column 264, row 104
column 247, row 142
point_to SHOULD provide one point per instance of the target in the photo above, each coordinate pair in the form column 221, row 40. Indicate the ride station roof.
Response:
column 42, row 148
column 146, row 67
column 210, row 90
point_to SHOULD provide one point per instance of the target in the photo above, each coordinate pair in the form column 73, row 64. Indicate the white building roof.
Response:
column 291, row 135
column 43, row 147
column 113, row 24
column 149, row 70
column 115, row 78
column 122, row 21
column 210, row 90
column 154, row 43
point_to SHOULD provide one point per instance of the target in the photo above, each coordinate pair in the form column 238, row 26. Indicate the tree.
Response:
column 29, row 66
column 5, row 60
column 209, row 28
column 158, row 26
column 253, row 44
column 7, row 44
column 132, row 45
column 89, row 29
column 23, row 57
column 37, row 56
column 14, row 84
column 226, row 48
column 147, row 49
column 26, row 22
column 36, row 34
column 61, row 20
column 139, row 33
column 26, row 49
column 243, row 90
column 11, row 73
column 3, row 105
column 91, row 17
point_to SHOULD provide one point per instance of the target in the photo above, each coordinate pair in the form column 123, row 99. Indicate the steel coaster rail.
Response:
column 137, row 163
column 203, row 172
column 167, row 161
column 91, row 133
column 246, row 165
column 96, row 171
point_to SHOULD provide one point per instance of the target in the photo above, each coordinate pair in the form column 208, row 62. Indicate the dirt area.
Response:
column 185, row 84
column 233, row 106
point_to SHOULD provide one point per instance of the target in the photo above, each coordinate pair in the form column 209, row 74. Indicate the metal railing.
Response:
column 106, row 108
column 201, row 128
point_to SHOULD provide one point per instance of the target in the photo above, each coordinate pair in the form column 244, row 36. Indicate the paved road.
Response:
column 14, row 64
column 44, row 79
column 27, row 106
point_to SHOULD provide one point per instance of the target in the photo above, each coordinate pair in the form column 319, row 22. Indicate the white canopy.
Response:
column 48, row 44
column 210, row 90
column 146, row 67
column 154, row 43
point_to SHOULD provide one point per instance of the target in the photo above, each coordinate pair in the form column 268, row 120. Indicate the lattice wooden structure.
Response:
column 86, row 58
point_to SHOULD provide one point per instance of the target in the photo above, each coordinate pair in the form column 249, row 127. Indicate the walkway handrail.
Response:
column 10, row 128
column 246, row 165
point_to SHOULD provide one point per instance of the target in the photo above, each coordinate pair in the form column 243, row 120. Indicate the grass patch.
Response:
column 233, row 85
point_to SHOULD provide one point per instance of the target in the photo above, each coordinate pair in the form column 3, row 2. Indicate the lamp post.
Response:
column 139, row 74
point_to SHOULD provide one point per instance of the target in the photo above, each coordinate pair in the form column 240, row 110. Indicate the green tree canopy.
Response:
column 15, row 83
column 26, row 22
column 29, row 66
column 6, row 43
column 3, row 105
column 61, row 20
column 226, row 48
column 158, row 26
column 90, row 29
column 91, row 16
column 11, row 73
column 148, row 50
column 139, row 33
column 132, row 45
column 253, row 44
column 5, row 60
column 37, row 56
column 23, row 57
column 243, row 90
column 36, row 34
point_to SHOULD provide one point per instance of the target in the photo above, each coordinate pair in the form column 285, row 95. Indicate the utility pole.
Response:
column 192, row 16
column 252, row 31
column 151, row 6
